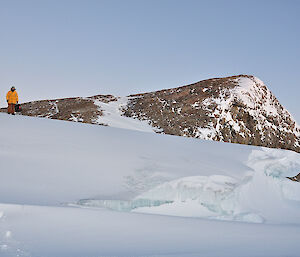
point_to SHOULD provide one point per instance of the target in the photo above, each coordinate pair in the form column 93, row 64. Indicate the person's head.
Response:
column 13, row 89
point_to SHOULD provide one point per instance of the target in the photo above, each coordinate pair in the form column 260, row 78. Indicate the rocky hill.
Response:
column 238, row 109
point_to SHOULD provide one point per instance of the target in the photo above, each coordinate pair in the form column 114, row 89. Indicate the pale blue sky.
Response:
column 63, row 48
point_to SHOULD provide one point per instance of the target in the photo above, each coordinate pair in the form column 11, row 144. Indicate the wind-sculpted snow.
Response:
column 263, row 195
column 48, row 167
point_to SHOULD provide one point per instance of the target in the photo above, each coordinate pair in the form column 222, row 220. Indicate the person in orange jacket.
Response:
column 12, row 99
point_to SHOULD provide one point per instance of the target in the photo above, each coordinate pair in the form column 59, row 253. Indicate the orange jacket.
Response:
column 12, row 97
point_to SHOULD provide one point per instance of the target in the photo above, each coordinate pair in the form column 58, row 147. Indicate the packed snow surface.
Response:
column 81, row 190
column 113, row 116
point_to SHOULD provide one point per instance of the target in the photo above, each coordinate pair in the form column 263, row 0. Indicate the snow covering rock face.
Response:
column 238, row 109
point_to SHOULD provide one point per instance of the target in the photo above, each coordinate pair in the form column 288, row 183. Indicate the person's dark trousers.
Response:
column 11, row 109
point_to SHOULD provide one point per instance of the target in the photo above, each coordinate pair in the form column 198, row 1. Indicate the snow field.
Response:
column 60, row 182
column 112, row 116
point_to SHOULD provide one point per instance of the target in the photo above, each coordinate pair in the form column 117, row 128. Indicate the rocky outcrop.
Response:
column 295, row 178
column 78, row 109
column 238, row 109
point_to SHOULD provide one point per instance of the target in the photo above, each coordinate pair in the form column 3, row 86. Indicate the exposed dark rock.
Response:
column 295, row 178
column 78, row 109
column 238, row 109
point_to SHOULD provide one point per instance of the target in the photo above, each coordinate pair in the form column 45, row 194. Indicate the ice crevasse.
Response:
column 262, row 195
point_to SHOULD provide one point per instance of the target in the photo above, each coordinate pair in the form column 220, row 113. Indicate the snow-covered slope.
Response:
column 112, row 115
column 71, row 189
